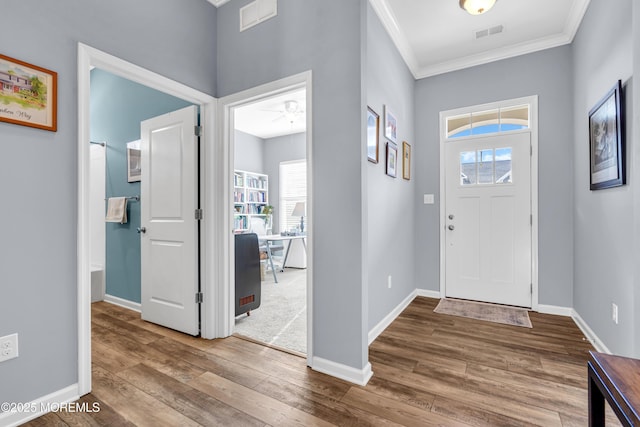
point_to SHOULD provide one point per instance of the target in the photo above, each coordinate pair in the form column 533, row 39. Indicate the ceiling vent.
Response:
column 478, row 34
column 256, row 12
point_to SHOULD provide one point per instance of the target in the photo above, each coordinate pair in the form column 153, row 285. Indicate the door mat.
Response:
column 483, row 311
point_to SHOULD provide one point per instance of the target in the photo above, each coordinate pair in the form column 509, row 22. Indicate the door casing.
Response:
column 89, row 57
column 532, row 101
column 225, row 165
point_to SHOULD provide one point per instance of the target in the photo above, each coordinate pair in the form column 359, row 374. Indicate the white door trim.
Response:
column 224, row 168
column 89, row 57
column 533, row 129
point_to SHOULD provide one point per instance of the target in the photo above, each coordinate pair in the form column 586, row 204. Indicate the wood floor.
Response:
column 429, row 369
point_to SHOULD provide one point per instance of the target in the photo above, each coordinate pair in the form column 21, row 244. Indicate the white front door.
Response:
column 488, row 219
column 169, row 238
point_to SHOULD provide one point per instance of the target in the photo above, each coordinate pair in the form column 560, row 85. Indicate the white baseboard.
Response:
column 39, row 407
column 344, row 372
column 555, row 309
column 123, row 303
column 588, row 332
column 428, row 293
column 389, row 318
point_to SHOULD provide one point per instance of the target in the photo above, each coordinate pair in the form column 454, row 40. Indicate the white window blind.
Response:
column 293, row 189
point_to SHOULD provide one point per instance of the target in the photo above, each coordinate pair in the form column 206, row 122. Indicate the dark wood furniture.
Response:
column 616, row 379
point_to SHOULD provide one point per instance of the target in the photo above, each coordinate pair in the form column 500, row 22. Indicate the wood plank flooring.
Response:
column 429, row 369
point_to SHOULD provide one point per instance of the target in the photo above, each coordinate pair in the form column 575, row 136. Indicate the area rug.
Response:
column 281, row 319
column 484, row 311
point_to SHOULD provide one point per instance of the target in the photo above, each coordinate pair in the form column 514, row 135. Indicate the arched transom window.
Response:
column 490, row 121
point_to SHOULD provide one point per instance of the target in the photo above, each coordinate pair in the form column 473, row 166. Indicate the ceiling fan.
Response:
column 292, row 112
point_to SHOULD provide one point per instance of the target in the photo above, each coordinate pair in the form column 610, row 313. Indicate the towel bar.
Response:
column 134, row 198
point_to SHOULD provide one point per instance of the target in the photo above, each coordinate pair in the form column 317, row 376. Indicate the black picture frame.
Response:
column 606, row 141
column 392, row 160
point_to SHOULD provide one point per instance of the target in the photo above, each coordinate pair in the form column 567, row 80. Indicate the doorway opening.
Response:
column 267, row 131
column 270, row 198
column 489, row 197
column 88, row 59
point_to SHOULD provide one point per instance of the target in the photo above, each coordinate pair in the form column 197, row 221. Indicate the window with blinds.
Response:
column 293, row 189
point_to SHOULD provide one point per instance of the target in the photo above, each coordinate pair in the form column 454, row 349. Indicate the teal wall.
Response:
column 117, row 108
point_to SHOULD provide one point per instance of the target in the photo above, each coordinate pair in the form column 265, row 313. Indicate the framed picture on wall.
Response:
column 134, row 166
column 406, row 161
column 390, row 125
column 606, row 141
column 392, row 159
column 373, row 135
column 28, row 94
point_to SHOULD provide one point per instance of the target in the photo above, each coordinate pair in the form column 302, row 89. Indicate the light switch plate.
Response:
column 428, row 199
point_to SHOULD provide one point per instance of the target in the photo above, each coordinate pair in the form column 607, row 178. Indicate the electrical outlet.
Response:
column 8, row 347
column 389, row 282
column 614, row 313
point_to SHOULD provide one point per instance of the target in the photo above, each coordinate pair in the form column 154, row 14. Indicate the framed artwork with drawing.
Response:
column 373, row 135
column 28, row 94
column 390, row 125
column 606, row 141
column 406, row 160
column 392, row 160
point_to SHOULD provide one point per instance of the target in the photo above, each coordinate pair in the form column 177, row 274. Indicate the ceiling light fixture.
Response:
column 291, row 110
column 291, row 106
column 477, row 7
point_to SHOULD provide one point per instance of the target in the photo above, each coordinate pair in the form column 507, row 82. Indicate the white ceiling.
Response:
column 436, row 36
column 267, row 119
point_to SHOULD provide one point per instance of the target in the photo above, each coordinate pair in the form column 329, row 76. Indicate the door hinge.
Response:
column 531, row 288
column 531, row 219
column 531, row 150
column 199, row 214
column 197, row 130
column 199, row 298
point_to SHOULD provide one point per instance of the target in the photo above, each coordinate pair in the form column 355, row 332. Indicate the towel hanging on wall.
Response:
column 117, row 210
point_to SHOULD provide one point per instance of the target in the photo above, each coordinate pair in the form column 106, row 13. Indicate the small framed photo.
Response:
column 134, row 165
column 28, row 94
column 392, row 160
column 606, row 141
column 406, row 161
column 373, row 135
column 390, row 125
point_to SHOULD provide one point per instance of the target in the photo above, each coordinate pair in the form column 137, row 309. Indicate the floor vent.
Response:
column 256, row 12
column 488, row 31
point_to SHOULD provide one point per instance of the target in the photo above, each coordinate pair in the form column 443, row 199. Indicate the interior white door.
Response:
column 488, row 219
column 169, row 238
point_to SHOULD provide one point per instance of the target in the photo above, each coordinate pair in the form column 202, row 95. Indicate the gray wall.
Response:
column 391, row 201
column 276, row 150
column 605, row 233
column 548, row 75
column 117, row 108
column 325, row 37
column 249, row 153
column 38, row 255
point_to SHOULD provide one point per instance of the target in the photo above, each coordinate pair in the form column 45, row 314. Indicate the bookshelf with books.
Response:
column 250, row 198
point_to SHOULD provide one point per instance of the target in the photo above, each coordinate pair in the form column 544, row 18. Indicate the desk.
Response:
column 272, row 238
column 616, row 379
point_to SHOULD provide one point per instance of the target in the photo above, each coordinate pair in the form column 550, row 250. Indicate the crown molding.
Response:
column 389, row 21
column 493, row 55
column 218, row 3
